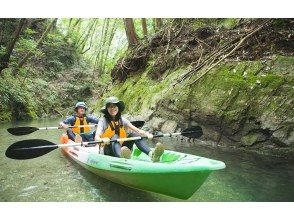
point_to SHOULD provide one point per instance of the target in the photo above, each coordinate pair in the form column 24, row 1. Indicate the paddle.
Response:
column 28, row 149
column 18, row 131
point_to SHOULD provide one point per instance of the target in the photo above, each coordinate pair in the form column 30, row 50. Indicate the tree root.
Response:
column 217, row 56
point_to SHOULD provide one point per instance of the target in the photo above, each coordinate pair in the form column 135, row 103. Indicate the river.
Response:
column 54, row 177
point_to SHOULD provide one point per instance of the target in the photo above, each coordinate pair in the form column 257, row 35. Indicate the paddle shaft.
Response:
column 28, row 149
column 18, row 131
column 53, row 128
column 141, row 123
column 82, row 143
column 116, row 140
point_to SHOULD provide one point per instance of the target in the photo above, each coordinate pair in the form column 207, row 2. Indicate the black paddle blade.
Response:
column 138, row 124
column 192, row 132
column 18, row 131
column 29, row 149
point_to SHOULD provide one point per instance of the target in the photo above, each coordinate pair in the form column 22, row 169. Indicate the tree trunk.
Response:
column 69, row 23
column 158, row 24
column 78, row 21
column 154, row 25
column 4, row 60
column 2, row 25
column 111, row 35
column 102, row 46
column 91, row 38
column 54, row 26
column 84, row 38
column 73, row 25
column 30, row 53
column 99, row 48
column 130, row 32
column 144, row 27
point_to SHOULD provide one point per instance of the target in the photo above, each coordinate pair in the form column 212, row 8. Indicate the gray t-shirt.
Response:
column 103, row 125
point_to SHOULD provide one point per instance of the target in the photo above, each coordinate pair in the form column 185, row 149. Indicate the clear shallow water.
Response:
column 54, row 177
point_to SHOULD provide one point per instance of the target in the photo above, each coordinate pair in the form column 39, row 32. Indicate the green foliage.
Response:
column 59, row 54
column 49, row 82
column 2, row 50
column 24, row 45
column 217, row 22
column 228, row 22
column 29, row 32
column 16, row 101
column 51, row 79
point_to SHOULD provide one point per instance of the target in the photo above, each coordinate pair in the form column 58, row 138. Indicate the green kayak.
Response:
column 177, row 174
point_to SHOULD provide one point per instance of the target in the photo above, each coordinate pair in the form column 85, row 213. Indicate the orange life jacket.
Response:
column 64, row 139
column 115, row 127
column 81, row 121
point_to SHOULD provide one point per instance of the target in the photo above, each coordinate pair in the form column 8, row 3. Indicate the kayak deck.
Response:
column 177, row 174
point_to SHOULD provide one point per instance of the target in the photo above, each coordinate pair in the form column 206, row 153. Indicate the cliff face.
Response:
column 245, row 100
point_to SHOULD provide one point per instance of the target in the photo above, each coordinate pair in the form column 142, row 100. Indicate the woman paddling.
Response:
column 113, row 126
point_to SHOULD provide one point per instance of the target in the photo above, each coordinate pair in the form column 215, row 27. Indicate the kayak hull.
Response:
column 178, row 175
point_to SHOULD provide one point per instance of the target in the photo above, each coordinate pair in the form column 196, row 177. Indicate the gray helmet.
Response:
column 81, row 104
column 113, row 100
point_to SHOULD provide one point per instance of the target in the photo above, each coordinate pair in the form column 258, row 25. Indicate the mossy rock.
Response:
column 251, row 139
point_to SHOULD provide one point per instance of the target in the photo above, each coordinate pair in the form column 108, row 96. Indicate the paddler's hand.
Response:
column 145, row 134
column 103, row 141
column 98, row 139
column 63, row 126
column 100, row 146
column 106, row 140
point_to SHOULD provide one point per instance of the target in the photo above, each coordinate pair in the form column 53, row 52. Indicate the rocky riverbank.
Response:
column 244, row 101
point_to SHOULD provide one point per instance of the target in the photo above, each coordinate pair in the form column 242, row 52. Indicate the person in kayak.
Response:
column 80, row 118
column 113, row 126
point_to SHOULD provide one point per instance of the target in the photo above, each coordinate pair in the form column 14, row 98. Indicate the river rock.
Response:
column 169, row 126
column 250, row 139
column 284, row 137
column 155, row 123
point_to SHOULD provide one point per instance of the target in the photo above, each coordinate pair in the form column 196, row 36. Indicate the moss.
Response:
column 229, row 22
column 140, row 92
column 283, row 65
column 249, row 139
column 197, row 23
column 229, row 92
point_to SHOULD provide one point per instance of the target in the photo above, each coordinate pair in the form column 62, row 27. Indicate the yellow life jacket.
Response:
column 115, row 127
column 78, row 122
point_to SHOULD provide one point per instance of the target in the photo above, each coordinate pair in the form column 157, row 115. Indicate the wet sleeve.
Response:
column 69, row 121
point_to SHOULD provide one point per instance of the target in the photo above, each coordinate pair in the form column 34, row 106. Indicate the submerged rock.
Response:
column 30, row 188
